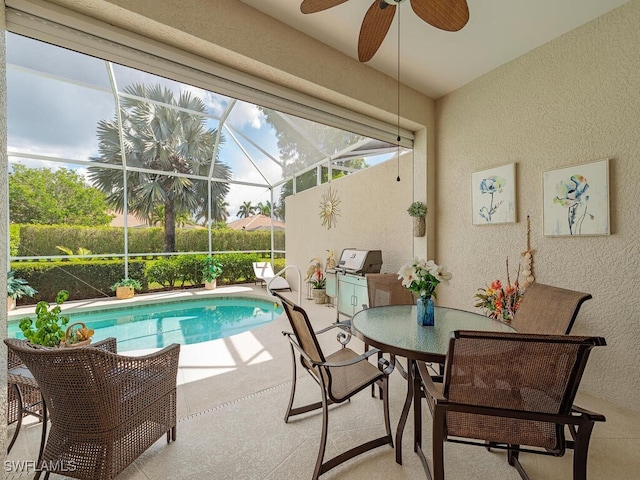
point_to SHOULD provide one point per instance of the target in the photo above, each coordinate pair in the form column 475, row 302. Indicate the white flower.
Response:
column 440, row 272
column 407, row 274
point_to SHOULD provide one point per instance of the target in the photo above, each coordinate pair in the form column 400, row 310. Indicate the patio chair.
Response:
column 548, row 310
column 514, row 391
column 105, row 409
column 24, row 398
column 340, row 376
column 264, row 273
column 387, row 289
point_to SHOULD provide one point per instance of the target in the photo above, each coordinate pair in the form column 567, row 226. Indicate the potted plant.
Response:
column 319, row 284
column 418, row 210
column 211, row 270
column 48, row 329
column 126, row 287
column 16, row 289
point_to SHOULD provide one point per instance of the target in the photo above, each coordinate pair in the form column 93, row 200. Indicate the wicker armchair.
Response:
column 105, row 409
column 339, row 375
column 510, row 390
column 548, row 310
column 24, row 398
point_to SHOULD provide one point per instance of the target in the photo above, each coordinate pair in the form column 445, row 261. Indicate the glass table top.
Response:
column 395, row 329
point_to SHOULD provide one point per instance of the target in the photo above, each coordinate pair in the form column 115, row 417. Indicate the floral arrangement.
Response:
column 422, row 277
column 499, row 301
column 317, row 280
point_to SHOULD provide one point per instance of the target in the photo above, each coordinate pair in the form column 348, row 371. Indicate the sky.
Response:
column 56, row 98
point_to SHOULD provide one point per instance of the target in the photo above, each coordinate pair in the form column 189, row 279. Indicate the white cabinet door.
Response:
column 352, row 294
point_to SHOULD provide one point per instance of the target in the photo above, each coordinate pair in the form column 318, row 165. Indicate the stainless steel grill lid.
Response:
column 360, row 262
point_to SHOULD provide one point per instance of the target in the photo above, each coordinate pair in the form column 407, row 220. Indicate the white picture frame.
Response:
column 493, row 194
column 576, row 200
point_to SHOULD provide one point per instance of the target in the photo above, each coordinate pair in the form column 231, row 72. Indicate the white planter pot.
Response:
column 211, row 285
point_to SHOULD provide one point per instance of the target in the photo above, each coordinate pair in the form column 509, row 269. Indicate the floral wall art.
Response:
column 576, row 200
column 494, row 195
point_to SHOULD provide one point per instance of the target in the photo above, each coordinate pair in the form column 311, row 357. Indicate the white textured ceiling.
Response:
column 435, row 62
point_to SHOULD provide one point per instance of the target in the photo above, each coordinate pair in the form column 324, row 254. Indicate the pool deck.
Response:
column 232, row 394
column 215, row 360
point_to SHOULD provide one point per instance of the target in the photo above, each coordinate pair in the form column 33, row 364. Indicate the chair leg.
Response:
column 384, row 392
column 438, row 444
column 323, row 438
column 581, row 449
column 19, row 421
column 293, row 386
column 298, row 410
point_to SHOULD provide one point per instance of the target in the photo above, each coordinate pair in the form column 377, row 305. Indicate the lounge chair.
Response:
column 264, row 272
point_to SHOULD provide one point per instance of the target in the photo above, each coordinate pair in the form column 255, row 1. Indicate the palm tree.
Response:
column 264, row 208
column 245, row 210
column 160, row 140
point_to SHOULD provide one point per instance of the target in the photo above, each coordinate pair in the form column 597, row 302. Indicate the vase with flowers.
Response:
column 500, row 301
column 319, row 285
column 422, row 277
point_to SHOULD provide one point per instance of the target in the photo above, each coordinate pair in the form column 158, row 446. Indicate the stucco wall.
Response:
column 4, row 234
column 573, row 100
column 372, row 217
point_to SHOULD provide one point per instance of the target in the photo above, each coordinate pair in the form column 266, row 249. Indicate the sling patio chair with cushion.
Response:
column 264, row 273
column 105, row 409
column 548, row 310
column 340, row 375
column 512, row 390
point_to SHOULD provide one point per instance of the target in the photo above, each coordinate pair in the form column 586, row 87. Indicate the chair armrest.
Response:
column 596, row 417
column 314, row 363
column 427, row 382
column 109, row 344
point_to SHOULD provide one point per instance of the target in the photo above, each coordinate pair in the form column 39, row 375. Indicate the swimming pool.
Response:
column 156, row 325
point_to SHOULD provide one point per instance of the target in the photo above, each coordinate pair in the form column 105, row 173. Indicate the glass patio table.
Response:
column 394, row 330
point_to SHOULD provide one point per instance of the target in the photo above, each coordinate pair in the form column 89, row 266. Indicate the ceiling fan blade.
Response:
column 449, row 15
column 374, row 28
column 313, row 6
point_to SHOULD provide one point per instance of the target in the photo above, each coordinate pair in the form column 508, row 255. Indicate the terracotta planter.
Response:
column 211, row 285
column 319, row 295
column 124, row 292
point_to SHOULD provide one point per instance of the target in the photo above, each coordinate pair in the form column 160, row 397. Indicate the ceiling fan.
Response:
column 449, row 15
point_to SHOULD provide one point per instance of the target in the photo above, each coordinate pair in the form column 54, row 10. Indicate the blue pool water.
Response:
column 185, row 322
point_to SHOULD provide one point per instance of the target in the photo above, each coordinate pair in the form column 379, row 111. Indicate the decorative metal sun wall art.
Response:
column 329, row 208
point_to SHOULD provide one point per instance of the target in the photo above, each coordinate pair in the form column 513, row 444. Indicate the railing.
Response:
column 297, row 270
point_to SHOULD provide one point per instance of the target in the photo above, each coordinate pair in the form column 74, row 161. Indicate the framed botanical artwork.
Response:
column 494, row 195
column 576, row 200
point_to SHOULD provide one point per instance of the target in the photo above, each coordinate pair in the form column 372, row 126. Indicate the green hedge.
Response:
column 41, row 240
column 93, row 278
column 82, row 278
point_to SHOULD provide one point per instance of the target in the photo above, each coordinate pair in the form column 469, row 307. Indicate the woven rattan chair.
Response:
column 513, row 390
column 24, row 396
column 105, row 409
column 340, row 375
column 548, row 310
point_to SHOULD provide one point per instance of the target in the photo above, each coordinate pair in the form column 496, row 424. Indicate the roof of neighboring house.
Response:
column 256, row 222
column 132, row 221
